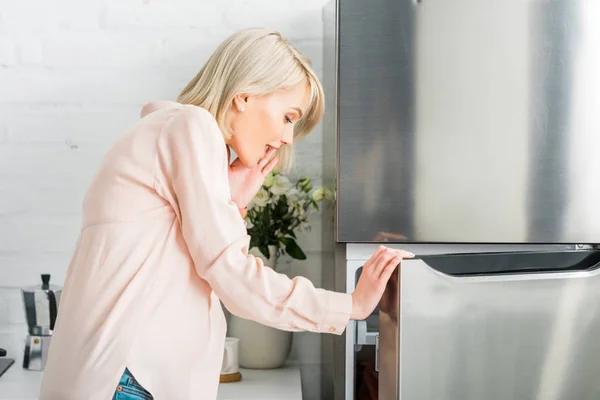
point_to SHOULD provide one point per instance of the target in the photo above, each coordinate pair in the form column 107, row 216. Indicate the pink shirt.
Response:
column 161, row 244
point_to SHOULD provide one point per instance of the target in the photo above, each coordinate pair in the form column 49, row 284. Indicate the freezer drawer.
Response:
column 520, row 326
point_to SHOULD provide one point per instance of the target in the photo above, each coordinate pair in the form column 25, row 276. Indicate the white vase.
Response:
column 269, row 262
column 260, row 347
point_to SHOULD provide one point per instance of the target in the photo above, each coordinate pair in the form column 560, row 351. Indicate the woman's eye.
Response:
column 288, row 119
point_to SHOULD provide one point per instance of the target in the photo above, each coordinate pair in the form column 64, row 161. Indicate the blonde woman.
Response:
column 163, row 236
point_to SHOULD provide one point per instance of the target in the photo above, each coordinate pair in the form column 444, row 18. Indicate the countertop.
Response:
column 20, row 384
column 276, row 384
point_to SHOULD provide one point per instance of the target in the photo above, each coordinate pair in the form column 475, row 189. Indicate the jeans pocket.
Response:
column 130, row 389
column 134, row 393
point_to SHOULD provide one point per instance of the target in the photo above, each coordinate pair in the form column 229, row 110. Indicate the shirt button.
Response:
column 332, row 329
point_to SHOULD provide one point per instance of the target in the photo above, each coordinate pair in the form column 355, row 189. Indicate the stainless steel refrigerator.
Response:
column 468, row 131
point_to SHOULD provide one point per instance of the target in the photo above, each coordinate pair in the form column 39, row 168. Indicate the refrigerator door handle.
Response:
column 377, row 353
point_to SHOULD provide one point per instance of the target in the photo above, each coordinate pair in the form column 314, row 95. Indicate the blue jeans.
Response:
column 130, row 389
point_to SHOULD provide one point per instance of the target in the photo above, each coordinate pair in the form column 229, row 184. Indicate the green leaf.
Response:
column 264, row 250
column 253, row 241
column 292, row 248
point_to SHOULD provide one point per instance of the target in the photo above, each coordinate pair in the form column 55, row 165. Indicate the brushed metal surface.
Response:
column 335, row 384
column 469, row 121
column 495, row 337
column 36, row 352
column 37, row 311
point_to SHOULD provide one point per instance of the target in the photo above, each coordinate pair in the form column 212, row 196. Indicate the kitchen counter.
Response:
column 20, row 384
column 277, row 384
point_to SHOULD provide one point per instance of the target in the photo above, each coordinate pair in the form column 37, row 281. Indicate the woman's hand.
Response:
column 374, row 277
column 244, row 182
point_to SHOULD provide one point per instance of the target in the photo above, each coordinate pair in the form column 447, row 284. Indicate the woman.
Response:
column 163, row 237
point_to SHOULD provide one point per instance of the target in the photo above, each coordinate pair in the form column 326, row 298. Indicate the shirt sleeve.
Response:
column 191, row 173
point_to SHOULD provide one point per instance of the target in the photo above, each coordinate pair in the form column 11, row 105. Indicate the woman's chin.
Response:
column 249, row 162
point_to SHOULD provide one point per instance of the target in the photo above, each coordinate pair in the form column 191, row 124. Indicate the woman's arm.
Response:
column 191, row 173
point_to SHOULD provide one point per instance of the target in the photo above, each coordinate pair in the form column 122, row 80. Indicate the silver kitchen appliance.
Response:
column 41, row 308
column 492, row 326
column 467, row 132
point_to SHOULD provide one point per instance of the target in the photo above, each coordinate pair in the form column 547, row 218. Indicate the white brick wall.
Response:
column 73, row 76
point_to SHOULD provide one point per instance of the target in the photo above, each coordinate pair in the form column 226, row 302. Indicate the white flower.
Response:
column 274, row 199
column 269, row 180
column 281, row 181
column 322, row 193
column 304, row 227
column 281, row 185
column 298, row 211
column 318, row 194
column 294, row 196
column 328, row 194
column 260, row 200
column 278, row 191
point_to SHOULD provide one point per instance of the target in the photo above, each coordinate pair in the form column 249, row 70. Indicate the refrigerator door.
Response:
column 469, row 121
column 521, row 326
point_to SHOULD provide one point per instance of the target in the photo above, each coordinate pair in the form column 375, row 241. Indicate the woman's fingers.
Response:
column 389, row 268
column 269, row 167
column 382, row 261
column 374, row 257
column 372, row 283
column 263, row 161
column 388, row 260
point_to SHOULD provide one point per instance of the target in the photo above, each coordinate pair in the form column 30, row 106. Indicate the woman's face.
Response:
column 260, row 122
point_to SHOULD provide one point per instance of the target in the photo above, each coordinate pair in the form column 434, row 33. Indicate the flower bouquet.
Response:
column 279, row 210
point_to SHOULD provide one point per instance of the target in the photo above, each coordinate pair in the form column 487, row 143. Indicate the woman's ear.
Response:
column 240, row 101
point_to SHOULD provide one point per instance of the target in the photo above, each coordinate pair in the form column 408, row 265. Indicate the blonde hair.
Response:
column 256, row 61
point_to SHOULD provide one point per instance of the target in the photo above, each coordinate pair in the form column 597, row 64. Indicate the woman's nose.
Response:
column 288, row 138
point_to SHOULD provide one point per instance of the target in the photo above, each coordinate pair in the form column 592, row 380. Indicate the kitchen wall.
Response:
column 73, row 76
